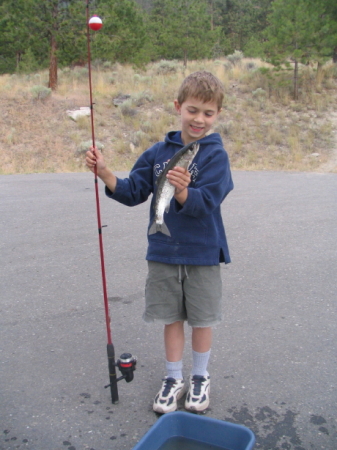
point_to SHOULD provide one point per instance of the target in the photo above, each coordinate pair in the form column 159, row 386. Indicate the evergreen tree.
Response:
column 55, row 32
column 38, row 29
column 145, row 4
column 331, row 16
column 181, row 29
column 123, row 35
column 242, row 23
column 299, row 30
column 16, row 35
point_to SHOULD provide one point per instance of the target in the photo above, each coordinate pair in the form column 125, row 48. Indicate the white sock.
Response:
column 200, row 362
column 174, row 369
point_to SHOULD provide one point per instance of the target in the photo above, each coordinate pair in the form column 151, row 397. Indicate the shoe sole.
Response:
column 197, row 409
column 160, row 410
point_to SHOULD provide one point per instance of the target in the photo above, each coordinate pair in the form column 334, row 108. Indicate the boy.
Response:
column 184, row 280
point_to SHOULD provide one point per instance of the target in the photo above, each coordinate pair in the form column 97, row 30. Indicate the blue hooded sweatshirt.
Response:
column 197, row 231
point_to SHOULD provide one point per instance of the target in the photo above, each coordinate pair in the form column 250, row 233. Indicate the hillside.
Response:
column 262, row 127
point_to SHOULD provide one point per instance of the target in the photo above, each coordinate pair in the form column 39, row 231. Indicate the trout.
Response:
column 165, row 190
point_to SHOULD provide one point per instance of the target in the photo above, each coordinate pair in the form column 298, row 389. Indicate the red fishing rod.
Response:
column 126, row 363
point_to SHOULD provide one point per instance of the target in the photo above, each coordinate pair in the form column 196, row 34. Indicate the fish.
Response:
column 165, row 190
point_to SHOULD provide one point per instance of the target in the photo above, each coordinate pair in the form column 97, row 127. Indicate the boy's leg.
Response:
column 201, row 339
column 164, row 301
column 197, row 398
column 173, row 384
column 174, row 339
column 201, row 349
column 203, row 293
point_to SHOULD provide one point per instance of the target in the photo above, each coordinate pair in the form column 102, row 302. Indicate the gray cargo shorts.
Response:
column 177, row 292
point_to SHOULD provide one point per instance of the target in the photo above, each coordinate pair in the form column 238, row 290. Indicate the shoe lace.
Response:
column 169, row 383
column 197, row 381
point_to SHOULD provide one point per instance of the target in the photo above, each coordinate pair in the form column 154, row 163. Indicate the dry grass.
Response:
column 262, row 127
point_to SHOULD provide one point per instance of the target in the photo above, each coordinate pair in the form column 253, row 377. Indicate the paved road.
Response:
column 273, row 362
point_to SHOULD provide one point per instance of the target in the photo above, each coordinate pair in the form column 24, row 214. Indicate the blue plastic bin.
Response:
column 198, row 432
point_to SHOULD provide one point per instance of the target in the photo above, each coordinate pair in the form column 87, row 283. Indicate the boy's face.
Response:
column 197, row 118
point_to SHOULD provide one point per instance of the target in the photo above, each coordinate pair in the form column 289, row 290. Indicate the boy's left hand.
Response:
column 180, row 178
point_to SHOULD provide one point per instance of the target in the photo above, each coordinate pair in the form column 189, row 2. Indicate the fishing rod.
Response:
column 126, row 362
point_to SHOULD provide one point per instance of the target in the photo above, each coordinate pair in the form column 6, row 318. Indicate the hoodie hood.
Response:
column 174, row 137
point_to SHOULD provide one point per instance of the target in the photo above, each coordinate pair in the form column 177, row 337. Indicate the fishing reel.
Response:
column 127, row 365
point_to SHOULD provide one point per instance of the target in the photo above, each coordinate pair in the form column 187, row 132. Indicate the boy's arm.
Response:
column 108, row 178
column 130, row 191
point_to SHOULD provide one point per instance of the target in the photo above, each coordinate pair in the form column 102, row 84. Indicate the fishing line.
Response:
column 126, row 363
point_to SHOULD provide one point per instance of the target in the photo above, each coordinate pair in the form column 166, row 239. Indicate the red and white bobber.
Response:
column 95, row 23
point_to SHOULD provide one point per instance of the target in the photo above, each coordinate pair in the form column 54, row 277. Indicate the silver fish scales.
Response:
column 165, row 190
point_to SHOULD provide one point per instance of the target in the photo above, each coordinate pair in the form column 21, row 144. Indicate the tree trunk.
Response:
column 295, row 76
column 18, row 59
column 53, row 48
column 334, row 55
column 53, row 65
column 212, row 15
column 296, row 80
column 319, row 71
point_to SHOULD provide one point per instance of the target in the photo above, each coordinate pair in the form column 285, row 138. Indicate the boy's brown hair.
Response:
column 204, row 86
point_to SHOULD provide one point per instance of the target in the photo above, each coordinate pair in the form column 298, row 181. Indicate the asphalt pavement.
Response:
column 273, row 363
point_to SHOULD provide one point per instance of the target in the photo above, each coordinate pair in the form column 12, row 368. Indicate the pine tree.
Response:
column 123, row 35
column 300, row 31
column 16, row 35
column 242, row 22
column 181, row 29
column 54, row 32
column 56, row 23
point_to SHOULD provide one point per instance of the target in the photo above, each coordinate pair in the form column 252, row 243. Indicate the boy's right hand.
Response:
column 95, row 158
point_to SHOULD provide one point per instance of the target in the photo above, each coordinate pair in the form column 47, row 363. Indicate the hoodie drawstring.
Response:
column 179, row 272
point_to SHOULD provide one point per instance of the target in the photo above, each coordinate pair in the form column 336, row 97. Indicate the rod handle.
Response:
column 112, row 373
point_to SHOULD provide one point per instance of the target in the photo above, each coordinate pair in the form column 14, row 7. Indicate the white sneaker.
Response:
column 197, row 398
column 166, row 399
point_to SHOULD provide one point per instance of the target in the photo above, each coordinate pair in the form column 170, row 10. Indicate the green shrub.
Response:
column 142, row 98
column 40, row 92
column 166, row 67
column 146, row 126
column 259, row 93
column 224, row 128
column 138, row 137
column 228, row 65
column 80, row 72
column 107, row 65
column 235, row 58
column 127, row 109
column 86, row 145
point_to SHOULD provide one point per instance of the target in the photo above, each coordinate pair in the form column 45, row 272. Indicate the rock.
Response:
column 120, row 99
column 83, row 111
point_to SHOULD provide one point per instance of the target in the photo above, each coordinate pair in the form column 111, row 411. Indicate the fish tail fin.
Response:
column 155, row 227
